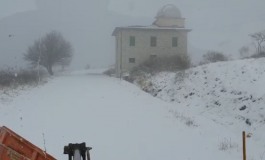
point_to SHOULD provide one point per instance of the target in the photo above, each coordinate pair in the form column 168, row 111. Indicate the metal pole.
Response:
column 77, row 155
column 77, row 151
column 244, row 146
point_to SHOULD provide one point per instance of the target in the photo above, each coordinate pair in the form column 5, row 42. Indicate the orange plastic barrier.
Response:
column 10, row 141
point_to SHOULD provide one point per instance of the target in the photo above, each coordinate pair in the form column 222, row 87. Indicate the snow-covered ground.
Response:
column 120, row 121
column 230, row 94
column 225, row 89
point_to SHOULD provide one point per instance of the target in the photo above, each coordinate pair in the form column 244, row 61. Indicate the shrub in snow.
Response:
column 258, row 55
column 10, row 77
column 187, row 120
column 190, row 122
column 141, row 74
column 244, row 52
column 243, row 108
column 109, row 72
column 6, row 77
column 213, row 56
column 227, row 144
column 248, row 122
column 181, row 76
column 167, row 63
column 137, row 75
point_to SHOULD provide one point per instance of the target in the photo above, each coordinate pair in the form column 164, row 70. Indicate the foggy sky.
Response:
column 9, row 7
column 222, row 25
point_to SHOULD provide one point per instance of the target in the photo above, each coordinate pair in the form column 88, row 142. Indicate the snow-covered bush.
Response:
column 258, row 55
column 227, row 144
column 190, row 122
column 109, row 72
column 244, row 52
column 167, row 63
column 181, row 76
column 6, row 77
column 213, row 56
column 141, row 75
column 187, row 120
column 10, row 77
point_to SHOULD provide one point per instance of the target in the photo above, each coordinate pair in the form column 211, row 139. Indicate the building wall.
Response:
column 118, row 55
column 169, row 22
column 143, row 50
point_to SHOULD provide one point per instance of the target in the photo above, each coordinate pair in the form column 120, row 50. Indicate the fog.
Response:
column 216, row 25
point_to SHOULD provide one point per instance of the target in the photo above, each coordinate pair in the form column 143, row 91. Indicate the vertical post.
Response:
column 121, row 56
column 244, row 146
column 77, row 151
column 77, row 155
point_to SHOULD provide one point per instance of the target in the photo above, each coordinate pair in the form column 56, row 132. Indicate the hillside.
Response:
column 228, row 93
column 120, row 121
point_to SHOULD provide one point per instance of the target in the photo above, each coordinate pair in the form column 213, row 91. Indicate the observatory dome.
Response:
column 169, row 11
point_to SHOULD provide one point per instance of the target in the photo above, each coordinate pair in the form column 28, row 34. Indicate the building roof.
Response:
column 152, row 27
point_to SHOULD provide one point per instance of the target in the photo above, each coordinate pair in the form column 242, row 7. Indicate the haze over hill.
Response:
column 216, row 25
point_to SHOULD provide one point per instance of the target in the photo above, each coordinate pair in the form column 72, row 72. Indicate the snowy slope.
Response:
column 235, row 86
column 228, row 93
column 120, row 122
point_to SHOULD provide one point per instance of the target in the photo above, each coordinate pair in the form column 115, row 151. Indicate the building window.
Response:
column 132, row 40
column 131, row 60
column 174, row 41
column 153, row 41
column 152, row 57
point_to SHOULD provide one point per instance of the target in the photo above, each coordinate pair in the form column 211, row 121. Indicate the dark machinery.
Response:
column 77, row 151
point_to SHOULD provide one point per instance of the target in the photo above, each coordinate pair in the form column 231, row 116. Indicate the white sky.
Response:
column 199, row 11
column 9, row 7
column 222, row 25
column 143, row 7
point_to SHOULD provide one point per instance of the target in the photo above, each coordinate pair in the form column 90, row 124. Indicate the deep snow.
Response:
column 120, row 121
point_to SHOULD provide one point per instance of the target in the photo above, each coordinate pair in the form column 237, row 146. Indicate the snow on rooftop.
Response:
column 151, row 27
column 154, row 27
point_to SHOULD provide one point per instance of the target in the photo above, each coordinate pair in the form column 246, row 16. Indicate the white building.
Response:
column 165, row 37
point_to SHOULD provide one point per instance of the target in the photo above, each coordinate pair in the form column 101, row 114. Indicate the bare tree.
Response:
column 50, row 50
column 259, row 37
